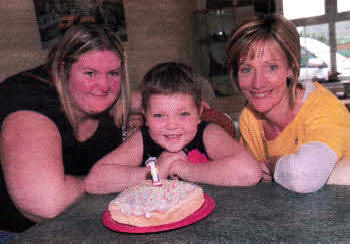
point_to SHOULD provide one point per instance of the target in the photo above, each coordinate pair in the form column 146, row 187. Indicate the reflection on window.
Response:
column 343, row 47
column 315, row 52
column 295, row 9
column 220, row 22
column 343, row 6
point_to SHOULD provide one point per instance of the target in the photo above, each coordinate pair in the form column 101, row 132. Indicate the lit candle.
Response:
column 151, row 163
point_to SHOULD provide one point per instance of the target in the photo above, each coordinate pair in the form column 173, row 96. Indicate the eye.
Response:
column 245, row 69
column 89, row 73
column 184, row 114
column 273, row 67
column 115, row 73
column 157, row 115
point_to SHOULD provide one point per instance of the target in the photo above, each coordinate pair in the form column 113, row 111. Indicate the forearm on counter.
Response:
column 308, row 170
column 50, row 200
column 109, row 178
column 230, row 171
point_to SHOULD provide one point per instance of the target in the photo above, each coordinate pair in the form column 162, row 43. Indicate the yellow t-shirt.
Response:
column 322, row 118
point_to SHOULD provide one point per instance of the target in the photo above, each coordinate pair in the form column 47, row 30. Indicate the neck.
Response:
column 85, row 126
column 277, row 119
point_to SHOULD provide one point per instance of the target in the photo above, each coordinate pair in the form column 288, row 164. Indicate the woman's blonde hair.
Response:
column 78, row 40
column 271, row 28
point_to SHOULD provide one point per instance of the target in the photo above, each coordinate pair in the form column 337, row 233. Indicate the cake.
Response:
column 147, row 205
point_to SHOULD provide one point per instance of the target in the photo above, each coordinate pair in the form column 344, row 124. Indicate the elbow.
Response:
column 253, row 177
column 46, row 206
column 301, row 187
column 247, row 170
column 250, row 176
column 93, row 185
column 302, row 183
column 94, row 189
column 50, row 213
column 89, row 185
column 46, row 209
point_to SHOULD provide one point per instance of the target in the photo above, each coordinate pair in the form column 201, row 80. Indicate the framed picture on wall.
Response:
column 56, row 16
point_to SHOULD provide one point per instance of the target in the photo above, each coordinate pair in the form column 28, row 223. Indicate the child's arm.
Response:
column 118, row 169
column 230, row 163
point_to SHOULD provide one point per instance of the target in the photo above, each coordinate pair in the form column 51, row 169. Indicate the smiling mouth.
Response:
column 172, row 136
column 260, row 94
column 99, row 94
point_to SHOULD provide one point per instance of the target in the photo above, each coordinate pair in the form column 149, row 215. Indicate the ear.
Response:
column 205, row 105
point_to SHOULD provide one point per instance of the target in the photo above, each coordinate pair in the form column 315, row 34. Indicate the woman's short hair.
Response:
column 169, row 78
column 270, row 28
column 77, row 41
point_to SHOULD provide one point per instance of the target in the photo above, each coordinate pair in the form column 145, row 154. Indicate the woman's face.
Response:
column 262, row 77
column 94, row 82
column 172, row 120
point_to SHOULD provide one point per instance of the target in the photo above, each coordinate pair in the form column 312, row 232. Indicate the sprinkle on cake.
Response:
column 147, row 205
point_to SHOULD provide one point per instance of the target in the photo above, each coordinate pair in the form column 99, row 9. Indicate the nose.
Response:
column 259, row 79
column 103, row 84
column 172, row 123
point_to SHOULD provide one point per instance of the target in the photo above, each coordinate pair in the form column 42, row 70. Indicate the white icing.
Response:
column 145, row 198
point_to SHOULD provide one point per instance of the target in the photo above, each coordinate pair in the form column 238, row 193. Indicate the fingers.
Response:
column 266, row 172
column 174, row 177
column 266, row 177
column 167, row 161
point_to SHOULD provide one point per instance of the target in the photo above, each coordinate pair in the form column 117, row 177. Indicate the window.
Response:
column 324, row 28
column 289, row 8
column 343, row 6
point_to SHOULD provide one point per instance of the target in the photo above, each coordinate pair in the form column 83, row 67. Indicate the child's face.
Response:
column 172, row 120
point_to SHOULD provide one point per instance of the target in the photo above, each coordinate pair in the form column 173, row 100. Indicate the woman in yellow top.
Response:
column 298, row 133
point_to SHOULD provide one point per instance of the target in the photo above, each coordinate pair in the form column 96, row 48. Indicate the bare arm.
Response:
column 31, row 158
column 230, row 163
column 119, row 169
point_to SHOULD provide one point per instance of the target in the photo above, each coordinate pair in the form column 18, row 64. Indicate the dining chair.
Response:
column 220, row 118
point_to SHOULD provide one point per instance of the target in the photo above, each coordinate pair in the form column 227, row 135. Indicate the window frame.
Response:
column 330, row 17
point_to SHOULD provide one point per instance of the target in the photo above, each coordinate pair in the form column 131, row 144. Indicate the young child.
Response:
column 184, row 146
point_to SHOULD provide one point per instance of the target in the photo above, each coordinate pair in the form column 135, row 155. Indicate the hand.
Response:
column 166, row 162
column 268, row 168
column 266, row 171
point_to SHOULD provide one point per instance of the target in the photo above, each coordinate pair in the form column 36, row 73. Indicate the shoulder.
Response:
column 247, row 116
column 213, row 132
column 322, row 97
column 322, row 103
column 218, row 143
column 28, row 131
column 28, row 121
column 248, row 121
column 23, row 93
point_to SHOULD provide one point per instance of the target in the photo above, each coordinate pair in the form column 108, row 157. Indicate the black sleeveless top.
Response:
column 152, row 149
column 30, row 91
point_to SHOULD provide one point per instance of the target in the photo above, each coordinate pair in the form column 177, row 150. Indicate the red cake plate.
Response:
column 206, row 208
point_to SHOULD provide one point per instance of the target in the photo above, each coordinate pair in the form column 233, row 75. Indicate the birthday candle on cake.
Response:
column 151, row 163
